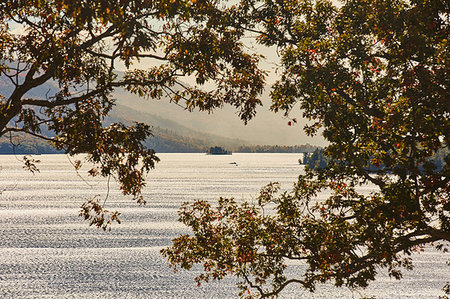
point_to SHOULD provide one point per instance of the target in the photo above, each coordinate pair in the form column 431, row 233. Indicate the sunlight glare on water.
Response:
column 47, row 251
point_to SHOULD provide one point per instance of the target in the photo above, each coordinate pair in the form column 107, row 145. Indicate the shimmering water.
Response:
column 47, row 251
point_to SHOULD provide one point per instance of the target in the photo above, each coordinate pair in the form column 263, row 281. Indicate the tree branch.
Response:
column 18, row 130
column 63, row 102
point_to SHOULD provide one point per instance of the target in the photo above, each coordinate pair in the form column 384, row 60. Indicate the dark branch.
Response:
column 18, row 130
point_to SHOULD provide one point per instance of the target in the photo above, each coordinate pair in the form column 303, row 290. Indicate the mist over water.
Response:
column 47, row 251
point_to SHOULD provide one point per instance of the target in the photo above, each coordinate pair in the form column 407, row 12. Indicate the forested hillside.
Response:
column 169, row 133
column 168, row 137
column 25, row 144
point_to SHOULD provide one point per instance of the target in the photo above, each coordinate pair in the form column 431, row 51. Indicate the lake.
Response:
column 47, row 251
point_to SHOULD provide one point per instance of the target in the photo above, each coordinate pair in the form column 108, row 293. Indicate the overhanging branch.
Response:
column 18, row 130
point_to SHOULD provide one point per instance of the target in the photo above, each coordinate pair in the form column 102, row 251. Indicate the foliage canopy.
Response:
column 373, row 76
column 77, row 45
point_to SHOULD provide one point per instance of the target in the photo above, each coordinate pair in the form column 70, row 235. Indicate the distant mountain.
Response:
column 267, row 127
column 23, row 144
column 176, row 130
column 170, row 136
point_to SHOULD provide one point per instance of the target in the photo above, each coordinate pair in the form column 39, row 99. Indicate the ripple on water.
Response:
column 46, row 251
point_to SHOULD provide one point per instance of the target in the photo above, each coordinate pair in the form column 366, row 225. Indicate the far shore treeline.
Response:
column 318, row 160
column 163, row 141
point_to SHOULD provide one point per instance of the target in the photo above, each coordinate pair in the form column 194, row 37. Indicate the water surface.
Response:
column 47, row 251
